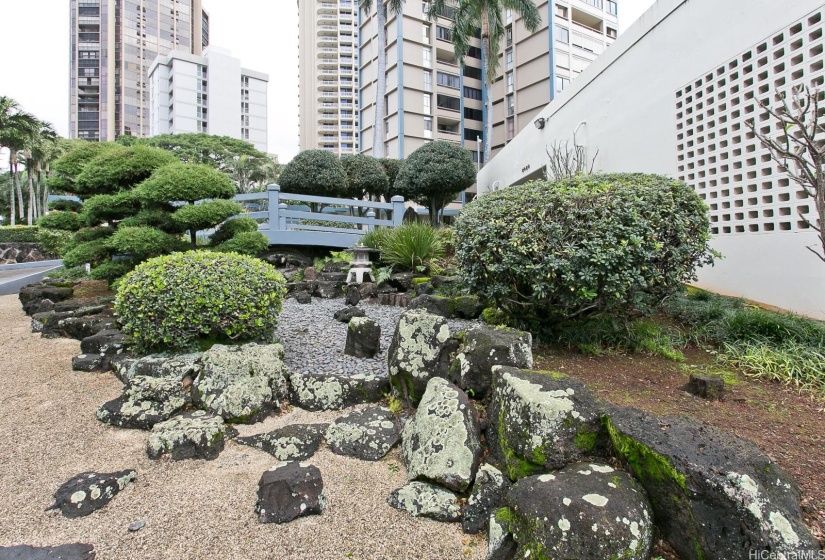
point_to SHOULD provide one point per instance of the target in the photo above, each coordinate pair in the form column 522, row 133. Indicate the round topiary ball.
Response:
column 184, row 300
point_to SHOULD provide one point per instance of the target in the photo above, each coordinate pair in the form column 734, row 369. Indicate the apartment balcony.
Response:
column 327, row 30
column 326, row 18
column 328, row 105
column 328, row 128
column 326, row 118
column 328, row 53
column 327, row 95
column 326, row 41
column 328, row 140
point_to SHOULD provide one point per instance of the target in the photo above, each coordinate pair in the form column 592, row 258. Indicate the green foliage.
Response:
column 174, row 301
column 245, row 243
column 110, row 207
column 413, row 246
column 18, row 234
column 66, row 221
column 375, row 238
column 365, row 176
column 120, row 168
column 334, row 256
column 383, row 274
column 54, row 242
column 92, row 252
column 143, row 242
column 111, row 270
column 65, row 205
column 69, row 274
column 592, row 245
column 434, row 174
column 328, row 223
column 391, row 168
column 599, row 334
column 230, row 228
column 790, row 362
column 217, row 152
column 64, row 170
column 314, row 172
column 91, row 233
column 205, row 215
column 161, row 219
column 184, row 182
column 494, row 316
column 394, row 404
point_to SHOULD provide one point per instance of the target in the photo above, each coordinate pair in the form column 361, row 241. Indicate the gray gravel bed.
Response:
column 314, row 341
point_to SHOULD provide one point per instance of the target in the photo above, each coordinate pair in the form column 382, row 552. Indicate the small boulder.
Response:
column 48, row 324
column 241, row 383
column 484, row 347
column 106, row 345
column 366, row 434
column 437, row 305
column 289, row 491
column 715, row 496
column 192, row 435
column 327, row 289
column 347, row 314
column 90, row 491
column 88, row 363
column 72, row 551
column 145, row 402
column 353, row 294
column 711, row 387
column 295, row 442
column 310, row 274
column 83, row 327
column 32, row 295
column 424, row 288
column 421, row 348
column 489, row 489
column 582, row 511
column 177, row 366
column 363, row 338
column 421, row 499
column 302, row 297
column 402, row 281
column 368, row 290
column 328, row 391
column 442, row 442
column 500, row 543
column 541, row 421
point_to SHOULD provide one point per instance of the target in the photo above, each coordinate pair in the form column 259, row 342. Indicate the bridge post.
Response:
column 397, row 210
column 274, row 194
column 282, row 218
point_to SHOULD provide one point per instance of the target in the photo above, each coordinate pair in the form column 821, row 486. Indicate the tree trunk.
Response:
column 45, row 188
column 488, row 88
column 381, row 86
column 30, row 183
column 13, row 169
column 20, row 205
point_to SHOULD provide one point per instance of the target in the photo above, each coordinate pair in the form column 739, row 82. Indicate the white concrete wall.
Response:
column 224, row 93
column 625, row 106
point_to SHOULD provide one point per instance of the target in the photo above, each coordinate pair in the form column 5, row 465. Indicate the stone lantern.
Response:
column 360, row 264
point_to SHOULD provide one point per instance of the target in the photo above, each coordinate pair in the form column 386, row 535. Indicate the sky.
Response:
column 34, row 37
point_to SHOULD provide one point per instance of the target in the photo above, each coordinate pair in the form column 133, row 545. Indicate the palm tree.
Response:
column 15, row 127
column 40, row 144
column 395, row 7
column 487, row 14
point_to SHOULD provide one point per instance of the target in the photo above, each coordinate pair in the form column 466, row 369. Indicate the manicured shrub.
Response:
column 230, row 228
column 120, row 168
column 92, row 252
column 54, row 242
column 66, row 221
column 588, row 245
column 156, row 218
column 18, row 234
column 110, row 207
column 111, row 270
column 184, row 182
column 92, row 233
column 206, row 215
column 143, row 242
column 246, row 243
column 314, row 172
column 65, row 205
column 179, row 300
column 365, row 176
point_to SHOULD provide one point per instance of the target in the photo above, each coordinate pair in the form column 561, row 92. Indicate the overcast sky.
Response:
column 34, row 40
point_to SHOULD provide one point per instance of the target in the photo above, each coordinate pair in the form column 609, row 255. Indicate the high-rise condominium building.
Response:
column 210, row 93
column 328, row 75
column 113, row 43
column 535, row 67
column 429, row 95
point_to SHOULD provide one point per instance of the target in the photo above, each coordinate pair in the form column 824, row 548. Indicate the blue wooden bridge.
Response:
column 286, row 216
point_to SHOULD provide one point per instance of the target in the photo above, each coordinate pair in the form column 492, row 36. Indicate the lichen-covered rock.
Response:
column 484, row 347
column 462, row 307
column 421, row 499
column 442, row 442
column 420, row 349
column 241, row 383
column 327, row 391
column 295, row 442
column 175, row 366
column 346, row 314
column 82, row 327
column 145, row 402
column 289, row 491
column 105, row 345
column 363, row 338
column 489, row 489
column 88, row 363
column 582, row 511
column 715, row 496
column 71, row 551
column 540, row 421
column 48, row 323
column 329, row 289
column 90, row 491
column 192, row 435
column 366, row 434
column 500, row 543
column 30, row 296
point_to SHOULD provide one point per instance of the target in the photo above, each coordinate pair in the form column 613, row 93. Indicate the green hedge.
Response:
column 18, row 234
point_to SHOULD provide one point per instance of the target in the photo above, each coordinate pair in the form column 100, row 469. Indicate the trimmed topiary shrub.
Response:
column 588, row 245
column 66, row 221
column 54, row 242
column 230, row 228
column 246, row 243
column 18, row 234
column 185, row 299
column 111, row 270
column 65, row 205
column 142, row 242
column 92, row 252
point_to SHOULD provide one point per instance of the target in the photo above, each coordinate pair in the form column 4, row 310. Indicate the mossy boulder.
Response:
column 421, row 499
column 328, row 391
column 489, row 489
column 462, row 307
column 421, row 348
column 192, row 435
column 295, row 442
column 540, row 421
column 145, row 402
column 175, row 366
column 582, row 511
column 715, row 496
column 482, row 348
column 363, row 338
column 367, row 434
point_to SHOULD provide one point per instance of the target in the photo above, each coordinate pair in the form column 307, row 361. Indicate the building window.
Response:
column 561, row 83
column 425, row 8
column 511, row 128
column 509, row 34
column 428, row 127
column 472, row 72
column 508, row 56
column 561, row 11
column 612, row 8
column 472, row 93
column 511, row 106
column 427, row 104
column 426, row 30
column 508, row 16
column 562, row 34
column 201, row 71
column 428, row 80
column 427, row 57
column 611, row 33
column 510, row 82
column 443, row 33
column 448, row 80
column 473, row 114
column 595, row 3
column 448, row 102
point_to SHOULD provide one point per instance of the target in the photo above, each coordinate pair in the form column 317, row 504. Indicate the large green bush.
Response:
column 18, row 234
column 181, row 300
column 583, row 246
column 66, row 221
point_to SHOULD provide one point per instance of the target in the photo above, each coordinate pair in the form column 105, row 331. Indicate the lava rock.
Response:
column 72, row 551
column 338, row 277
column 711, row 387
column 363, row 338
column 463, row 307
column 582, row 511
column 353, row 294
column 88, row 363
column 366, row 434
column 302, row 297
column 484, row 347
column 32, row 295
column 327, row 391
column 328, row 289
column 489, row 489
column 105, row 345
column 90, row 491
column 442, row 442
column 83, row 327
column 714, row 495
column 368, row 290
column 420, row 349
column 424, row 288
column 540, row 421
column 289, row 491
column 192, row 435
column 347, row 314
column 335, row 266
column 421, row 499
column 146, row 401
column 500, row 543
column 48, row 323
column 402, row 281
column 177, row 366
column 310, row 274
column 241, row 383
column 295, row 442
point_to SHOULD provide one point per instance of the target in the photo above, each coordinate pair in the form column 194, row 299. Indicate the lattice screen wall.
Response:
column 718, row 154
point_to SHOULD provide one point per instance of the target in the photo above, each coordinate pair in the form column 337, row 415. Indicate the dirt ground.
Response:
column 788, row 426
